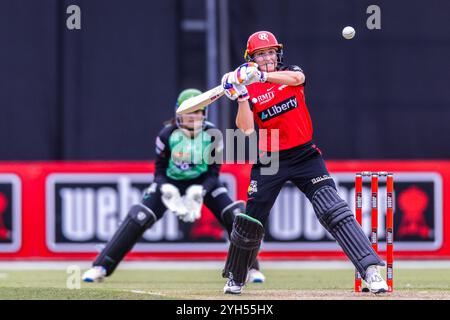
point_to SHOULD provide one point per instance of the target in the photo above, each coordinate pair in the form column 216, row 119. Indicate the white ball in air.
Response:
column 348, row 32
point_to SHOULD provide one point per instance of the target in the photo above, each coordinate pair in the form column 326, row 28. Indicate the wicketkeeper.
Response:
column 184, row 181
column 273, row 96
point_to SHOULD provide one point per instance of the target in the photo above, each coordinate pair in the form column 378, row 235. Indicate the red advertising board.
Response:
column 61, row 211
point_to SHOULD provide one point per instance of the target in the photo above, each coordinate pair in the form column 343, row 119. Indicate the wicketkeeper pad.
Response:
column 139, row 219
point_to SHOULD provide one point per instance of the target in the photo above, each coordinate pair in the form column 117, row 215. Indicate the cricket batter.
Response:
column 272, row 95
column 180, row 170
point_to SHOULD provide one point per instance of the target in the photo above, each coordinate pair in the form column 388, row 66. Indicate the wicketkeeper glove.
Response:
column 193, row 201
column 172, row 199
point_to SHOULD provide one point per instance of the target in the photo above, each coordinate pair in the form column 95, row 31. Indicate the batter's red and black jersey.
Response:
column 282, row 107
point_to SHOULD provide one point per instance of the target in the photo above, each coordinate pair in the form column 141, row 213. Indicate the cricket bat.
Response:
column 200, row 101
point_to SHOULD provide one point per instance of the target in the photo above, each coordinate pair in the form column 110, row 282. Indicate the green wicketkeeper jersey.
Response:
column 183, row 157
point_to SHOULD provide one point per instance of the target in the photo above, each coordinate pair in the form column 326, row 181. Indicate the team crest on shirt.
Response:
column 263, row 36
column 253, row 187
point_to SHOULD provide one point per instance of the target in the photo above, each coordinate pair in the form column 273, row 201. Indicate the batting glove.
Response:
column 247, row 73
column 234, row 91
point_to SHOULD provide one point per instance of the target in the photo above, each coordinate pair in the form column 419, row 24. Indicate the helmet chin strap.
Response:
column 266, row 65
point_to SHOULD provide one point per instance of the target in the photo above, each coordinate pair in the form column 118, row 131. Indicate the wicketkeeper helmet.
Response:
column 184, row 95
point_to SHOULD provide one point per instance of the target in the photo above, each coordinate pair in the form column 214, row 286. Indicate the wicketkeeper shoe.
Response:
column 374, row 281
column 94, row 274
column 255, row 276
column 233, row 287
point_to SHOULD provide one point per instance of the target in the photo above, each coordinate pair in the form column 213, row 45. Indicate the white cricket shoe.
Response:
column 255, row 276
column 374, row 281
column 232, row 287
column 94, row 274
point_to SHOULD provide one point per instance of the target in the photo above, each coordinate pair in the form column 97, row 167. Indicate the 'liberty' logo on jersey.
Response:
column 278, row 109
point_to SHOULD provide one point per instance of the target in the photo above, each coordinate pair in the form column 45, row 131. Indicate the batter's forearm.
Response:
column 290, row 78
column 244, row 118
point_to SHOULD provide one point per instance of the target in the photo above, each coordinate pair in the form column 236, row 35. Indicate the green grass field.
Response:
column 207, row 284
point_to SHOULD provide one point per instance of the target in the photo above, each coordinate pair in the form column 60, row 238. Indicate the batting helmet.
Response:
column 261, row 40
